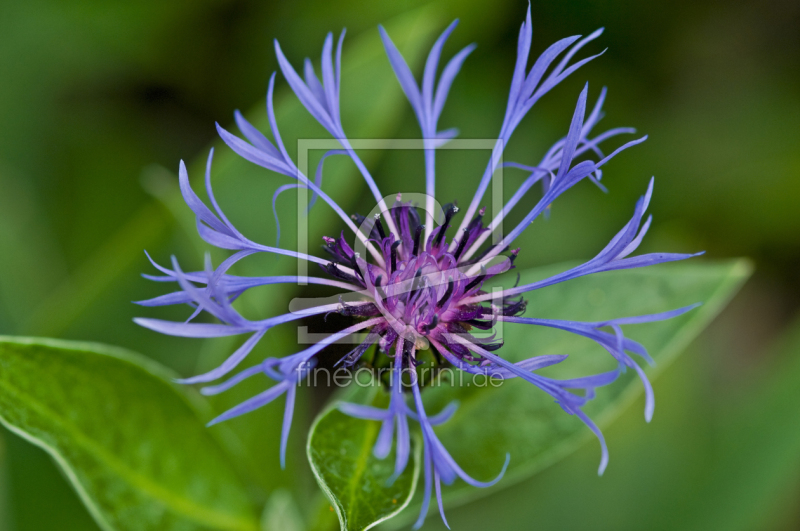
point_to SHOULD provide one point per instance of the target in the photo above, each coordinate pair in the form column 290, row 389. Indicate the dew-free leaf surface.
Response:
column 132, row 445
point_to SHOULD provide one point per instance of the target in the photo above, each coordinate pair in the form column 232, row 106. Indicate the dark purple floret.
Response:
column 419, row 288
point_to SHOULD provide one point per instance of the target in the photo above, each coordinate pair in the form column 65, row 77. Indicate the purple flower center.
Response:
column 422, row 289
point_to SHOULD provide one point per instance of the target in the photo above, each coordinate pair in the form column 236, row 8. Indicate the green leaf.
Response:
column 131, row 444
column 281, row 513
column 519, row 419
column 756, row 458
column 340, row 454
column 5, row 520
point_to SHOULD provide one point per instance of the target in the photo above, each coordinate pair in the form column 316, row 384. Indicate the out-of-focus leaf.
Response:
column 133, row 447
column 758, row 452
column 340, row 454
column 31, row 264
column 524, row 421
column 80, row 291
column 4, row 517
column 281, row 513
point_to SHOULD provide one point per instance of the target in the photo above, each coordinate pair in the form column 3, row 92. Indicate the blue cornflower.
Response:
column 414, row 288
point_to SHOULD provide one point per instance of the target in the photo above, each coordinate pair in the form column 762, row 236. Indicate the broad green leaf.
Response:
column 340, row 454
column 131, row 444
column 519, row 419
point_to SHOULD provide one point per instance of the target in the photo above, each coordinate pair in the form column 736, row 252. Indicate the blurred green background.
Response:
column 99, row 100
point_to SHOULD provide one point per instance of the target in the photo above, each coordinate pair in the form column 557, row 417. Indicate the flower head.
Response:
column 409, row 283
